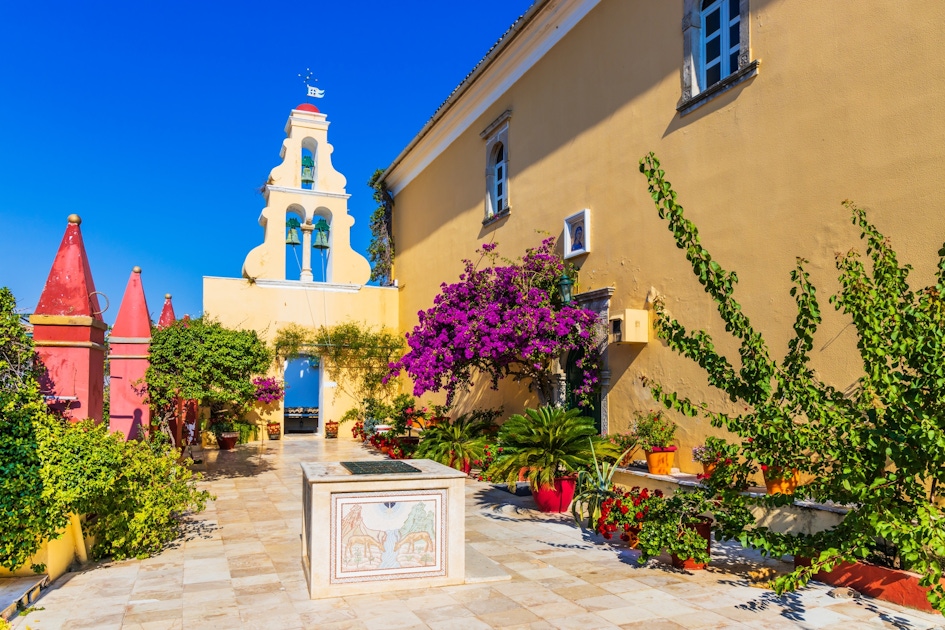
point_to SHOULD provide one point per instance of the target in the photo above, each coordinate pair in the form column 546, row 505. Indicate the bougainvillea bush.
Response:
column 268, row 389
column 501, row 320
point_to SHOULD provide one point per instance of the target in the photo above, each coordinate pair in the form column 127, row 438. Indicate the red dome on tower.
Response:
column 307, row 107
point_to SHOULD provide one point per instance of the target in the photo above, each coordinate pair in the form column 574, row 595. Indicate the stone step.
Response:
column 18, row 593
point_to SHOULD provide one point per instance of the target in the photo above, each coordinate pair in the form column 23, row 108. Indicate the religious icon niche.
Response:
column 577, row 234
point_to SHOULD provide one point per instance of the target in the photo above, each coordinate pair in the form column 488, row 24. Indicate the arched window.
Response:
column 721, row 40
column 496, row 136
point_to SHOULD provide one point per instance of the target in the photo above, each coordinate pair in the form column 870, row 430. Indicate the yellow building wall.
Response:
column 58, row 554
column 846, row 105
column 266, row 307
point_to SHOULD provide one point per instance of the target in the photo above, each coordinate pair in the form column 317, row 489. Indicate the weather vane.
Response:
column 313, row 91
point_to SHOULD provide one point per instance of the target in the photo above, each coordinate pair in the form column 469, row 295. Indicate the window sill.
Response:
column 498, row 216
column 691, row 104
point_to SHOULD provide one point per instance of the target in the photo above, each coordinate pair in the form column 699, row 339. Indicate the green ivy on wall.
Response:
column 880, row 449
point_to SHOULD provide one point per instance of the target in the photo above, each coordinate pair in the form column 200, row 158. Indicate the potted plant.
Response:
column 625, row 512
column 655, row 435
column 710, row 455
column 594, row 488
column 546, row 447
column 331, row 429
column 780, row 479
column 456, row 444
column 274, row 430
column 679, row 525
column 226, row 432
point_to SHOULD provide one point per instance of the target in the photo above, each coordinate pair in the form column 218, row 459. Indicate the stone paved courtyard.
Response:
column 239, row 567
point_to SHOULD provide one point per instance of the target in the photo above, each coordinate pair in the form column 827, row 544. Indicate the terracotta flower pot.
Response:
column 227, row 440
column 708, row 469
column 660, row 461
column 331, row 429
column 704, row 527
column 782, row 485
column 555, row 498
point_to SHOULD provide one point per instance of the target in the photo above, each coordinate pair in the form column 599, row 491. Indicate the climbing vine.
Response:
column 879, row 450
column 381, row 248
column 356, row 355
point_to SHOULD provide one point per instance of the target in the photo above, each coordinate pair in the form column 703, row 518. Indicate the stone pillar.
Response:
column 307, row 228
column 128, row 361
column 69, row 333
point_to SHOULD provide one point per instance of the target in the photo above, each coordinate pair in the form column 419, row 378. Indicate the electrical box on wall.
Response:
column 633, row 326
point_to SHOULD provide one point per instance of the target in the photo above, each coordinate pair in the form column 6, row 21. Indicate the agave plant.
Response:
column 456, row 443
column 547, row 443
column 595, row 487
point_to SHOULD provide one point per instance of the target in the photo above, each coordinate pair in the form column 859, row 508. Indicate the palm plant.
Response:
column 595, row 487
column 456, row 443
column 546, row 443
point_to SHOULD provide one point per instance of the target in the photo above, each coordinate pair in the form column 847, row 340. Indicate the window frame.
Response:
column 496, row 136
column 694, row 90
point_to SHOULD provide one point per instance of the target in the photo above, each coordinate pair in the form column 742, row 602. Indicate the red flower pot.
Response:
column 555, row 498
column 704, row 528
column 227, row 440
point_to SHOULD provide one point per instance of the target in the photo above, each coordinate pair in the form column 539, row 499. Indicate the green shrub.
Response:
column 547, row 443
column 28, row 515
column 134, row 492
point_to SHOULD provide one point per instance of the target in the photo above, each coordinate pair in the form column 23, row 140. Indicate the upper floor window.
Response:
column 721, row 23
column 716, row 55
column 499, row 177
column 497, row 166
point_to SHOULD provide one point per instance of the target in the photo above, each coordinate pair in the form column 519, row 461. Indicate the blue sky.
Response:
column 157, row 121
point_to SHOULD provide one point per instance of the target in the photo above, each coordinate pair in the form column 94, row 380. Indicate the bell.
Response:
column 321, row 234
column 292, row 238
column 321, row 240
column 308, row 170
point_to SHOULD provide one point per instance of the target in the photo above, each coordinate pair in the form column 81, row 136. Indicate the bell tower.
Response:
column 306, row 194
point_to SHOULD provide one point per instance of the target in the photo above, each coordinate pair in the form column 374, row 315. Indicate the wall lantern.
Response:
column 321, row 234
column 564, row 288
column 292, row 238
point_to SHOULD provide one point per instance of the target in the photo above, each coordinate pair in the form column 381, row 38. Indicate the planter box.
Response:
column 890, row 585
column 227, row 440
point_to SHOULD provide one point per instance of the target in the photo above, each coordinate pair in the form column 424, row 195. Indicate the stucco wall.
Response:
column 846, row 104
column 266, row 307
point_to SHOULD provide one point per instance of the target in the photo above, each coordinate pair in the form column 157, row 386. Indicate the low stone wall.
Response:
column 803, row 517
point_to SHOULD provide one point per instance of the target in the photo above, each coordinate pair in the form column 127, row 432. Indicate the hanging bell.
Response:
column 308, row 170
column 320, row 241
column 292, row 238
column 321, row 234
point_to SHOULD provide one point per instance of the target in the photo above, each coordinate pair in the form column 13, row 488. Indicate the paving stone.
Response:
column 238, row 566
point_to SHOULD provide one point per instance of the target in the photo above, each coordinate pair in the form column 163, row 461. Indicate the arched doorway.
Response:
column 302, row 389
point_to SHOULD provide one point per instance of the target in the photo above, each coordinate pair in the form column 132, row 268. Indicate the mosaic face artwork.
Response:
column 384, row 535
